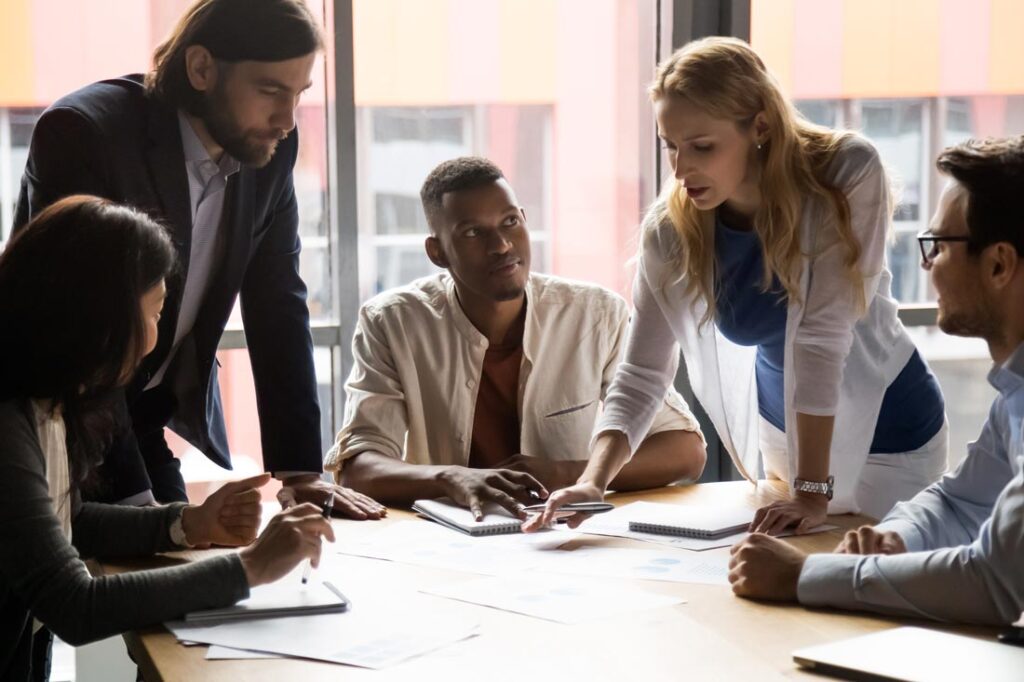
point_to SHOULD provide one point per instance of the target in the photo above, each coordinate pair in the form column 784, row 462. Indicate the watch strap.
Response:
column 818, row 487
column 177, row 531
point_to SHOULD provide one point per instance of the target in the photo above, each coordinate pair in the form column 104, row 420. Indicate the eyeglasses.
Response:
column 929, row 244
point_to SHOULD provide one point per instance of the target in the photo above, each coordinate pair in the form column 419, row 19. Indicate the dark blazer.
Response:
column 111, row 140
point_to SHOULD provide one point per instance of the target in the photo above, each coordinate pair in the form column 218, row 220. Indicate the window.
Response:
column 36, row 71
column 914, row 78
column 525, row 85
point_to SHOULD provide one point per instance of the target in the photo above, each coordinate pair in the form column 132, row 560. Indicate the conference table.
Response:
column 713, row 635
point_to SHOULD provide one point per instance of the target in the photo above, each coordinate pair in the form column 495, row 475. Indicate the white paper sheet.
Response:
column 669, row 565
column 616, row 524
column 376, row 641
column 554, row 598
column 223, row 653
column 383, row 627
column 426, row 543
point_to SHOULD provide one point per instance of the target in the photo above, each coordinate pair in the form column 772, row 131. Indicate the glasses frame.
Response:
column 928, row 244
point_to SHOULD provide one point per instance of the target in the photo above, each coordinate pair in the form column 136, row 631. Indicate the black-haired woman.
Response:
column 81, row 289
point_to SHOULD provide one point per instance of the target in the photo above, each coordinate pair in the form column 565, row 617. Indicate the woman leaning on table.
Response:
column 764, row 260
column 81, row 289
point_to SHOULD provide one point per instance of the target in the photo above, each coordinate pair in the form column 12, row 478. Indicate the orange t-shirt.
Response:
column 496, row 418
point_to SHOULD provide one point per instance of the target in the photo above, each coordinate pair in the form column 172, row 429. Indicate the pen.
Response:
column 326, row 511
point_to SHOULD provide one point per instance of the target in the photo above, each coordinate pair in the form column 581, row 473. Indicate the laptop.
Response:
column 911, row 654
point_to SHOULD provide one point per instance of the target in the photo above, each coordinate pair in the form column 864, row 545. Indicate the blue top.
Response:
column 912, row 410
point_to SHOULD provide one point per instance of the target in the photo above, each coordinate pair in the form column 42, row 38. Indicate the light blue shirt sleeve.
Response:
column 952, row 511
column 965, row 536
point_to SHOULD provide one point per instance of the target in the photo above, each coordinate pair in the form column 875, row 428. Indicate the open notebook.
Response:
column 692, row 521
column 283, row 598
column 496, row 520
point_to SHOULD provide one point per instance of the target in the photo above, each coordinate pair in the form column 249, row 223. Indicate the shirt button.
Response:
column 470, row 383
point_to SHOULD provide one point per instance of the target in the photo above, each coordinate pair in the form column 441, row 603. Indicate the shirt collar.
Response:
column 473, row 335
column 196, row 156
column 1009, row 376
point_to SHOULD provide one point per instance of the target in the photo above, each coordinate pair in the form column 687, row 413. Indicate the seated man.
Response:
column 955, row 551
column 483, row 383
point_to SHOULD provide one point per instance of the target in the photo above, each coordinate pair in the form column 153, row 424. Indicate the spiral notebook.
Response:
column 706, row 523
column 496, row 520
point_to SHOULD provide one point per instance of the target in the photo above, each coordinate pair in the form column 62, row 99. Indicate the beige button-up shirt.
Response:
column 418, row 360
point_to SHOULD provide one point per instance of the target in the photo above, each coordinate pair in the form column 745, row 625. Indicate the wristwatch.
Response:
column 177, row 532
column 819, row 487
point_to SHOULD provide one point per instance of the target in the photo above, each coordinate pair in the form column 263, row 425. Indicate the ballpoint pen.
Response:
column 326, row 511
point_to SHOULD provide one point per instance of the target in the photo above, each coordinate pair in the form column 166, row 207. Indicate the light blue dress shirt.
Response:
column 964, row 534
column 207, row 185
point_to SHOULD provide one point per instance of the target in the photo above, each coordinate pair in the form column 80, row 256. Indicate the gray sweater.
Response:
column 42, row 574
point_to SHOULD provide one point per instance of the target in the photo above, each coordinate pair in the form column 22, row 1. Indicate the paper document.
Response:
column 554, row 598
column 376, row 640
column 616, row 524
column 670, row 565
column 223, row 653
column 429, row 544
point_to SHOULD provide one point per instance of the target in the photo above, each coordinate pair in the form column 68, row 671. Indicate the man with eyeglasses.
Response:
column 954, row 552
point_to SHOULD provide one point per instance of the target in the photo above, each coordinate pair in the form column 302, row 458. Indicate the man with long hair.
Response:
column 206, row 143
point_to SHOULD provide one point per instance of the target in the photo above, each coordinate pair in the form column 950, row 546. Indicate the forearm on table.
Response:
column 662, row 459
column 391, row 481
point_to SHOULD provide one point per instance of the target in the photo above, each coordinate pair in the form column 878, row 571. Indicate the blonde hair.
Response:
column 726, row 79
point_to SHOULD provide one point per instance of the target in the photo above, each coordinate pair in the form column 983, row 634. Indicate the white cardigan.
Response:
column 837, row 361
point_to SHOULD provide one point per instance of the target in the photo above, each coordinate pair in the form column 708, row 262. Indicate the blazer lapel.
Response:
column 166, row 165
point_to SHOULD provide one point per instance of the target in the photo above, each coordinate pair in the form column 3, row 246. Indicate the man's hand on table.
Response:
column 763, row 567
column 867, row 540
column 347, row 502
column 473, row 488
column 553, row 474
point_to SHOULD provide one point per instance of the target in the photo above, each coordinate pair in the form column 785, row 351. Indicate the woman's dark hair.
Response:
column 71, row 285
column 233, row 31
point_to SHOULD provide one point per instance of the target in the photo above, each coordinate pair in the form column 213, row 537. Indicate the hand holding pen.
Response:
column 325, row 511
column 291, row 536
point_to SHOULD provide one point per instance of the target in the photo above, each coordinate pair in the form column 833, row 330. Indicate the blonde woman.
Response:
column 764, row 260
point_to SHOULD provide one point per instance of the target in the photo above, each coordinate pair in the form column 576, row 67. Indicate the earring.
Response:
column 759, row 145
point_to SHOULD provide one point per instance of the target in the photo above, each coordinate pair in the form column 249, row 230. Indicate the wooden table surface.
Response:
column 714, row 635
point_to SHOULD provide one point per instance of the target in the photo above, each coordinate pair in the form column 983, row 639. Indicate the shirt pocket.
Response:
column 567, row 411
column 565, row 429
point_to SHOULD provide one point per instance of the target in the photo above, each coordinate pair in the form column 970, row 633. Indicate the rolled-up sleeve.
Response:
column 376, row 417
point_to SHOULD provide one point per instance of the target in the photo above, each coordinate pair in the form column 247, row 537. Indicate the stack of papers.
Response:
column 380, row 629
